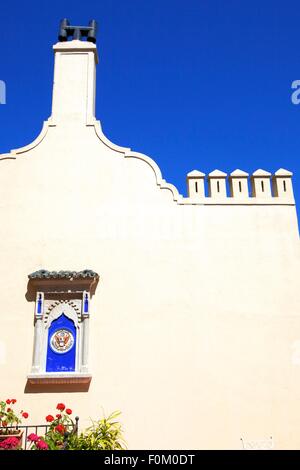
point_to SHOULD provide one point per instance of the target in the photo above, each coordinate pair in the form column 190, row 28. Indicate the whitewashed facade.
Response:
column 194, row 327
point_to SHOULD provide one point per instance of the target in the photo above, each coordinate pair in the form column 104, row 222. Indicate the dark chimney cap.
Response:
column 77, row 32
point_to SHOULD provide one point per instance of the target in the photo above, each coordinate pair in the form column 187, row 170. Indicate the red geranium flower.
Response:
column 10, row 443
column 68, row 411
column 14, row 401
column 60, row 406
column 8, row 410
column 49, row 418
column 8, row 401
column 41, row 445
column 25, row 415
column 4, row 423
column 58, row 416
column 33, row 437
column 60, row 428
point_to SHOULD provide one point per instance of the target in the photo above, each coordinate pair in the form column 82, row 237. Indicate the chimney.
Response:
column 74, row 75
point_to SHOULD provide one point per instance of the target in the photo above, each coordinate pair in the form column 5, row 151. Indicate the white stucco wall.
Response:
column 195, row 324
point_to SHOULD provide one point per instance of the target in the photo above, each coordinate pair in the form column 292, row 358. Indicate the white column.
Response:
column 85, row 344
column 38, row 331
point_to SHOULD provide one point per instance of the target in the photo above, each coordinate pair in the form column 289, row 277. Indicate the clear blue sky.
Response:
column 193, row 83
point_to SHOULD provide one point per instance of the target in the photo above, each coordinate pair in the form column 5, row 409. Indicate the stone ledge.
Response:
column 56, row 379
column 235, row 201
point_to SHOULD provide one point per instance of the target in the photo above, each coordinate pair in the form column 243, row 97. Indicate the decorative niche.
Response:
column 61, row 326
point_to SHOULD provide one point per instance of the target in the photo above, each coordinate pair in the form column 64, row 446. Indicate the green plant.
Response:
column 61, row 428
column 9, row 419
column 104, row 434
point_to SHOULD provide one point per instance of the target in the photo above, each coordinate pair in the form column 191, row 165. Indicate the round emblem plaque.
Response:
column 62, row 341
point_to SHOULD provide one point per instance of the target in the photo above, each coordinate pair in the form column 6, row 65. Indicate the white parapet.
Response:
column 261, row 184
column 238, row 183
column 282, row 184
column 195, row 184
column 217, row 184
column 281, row 192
